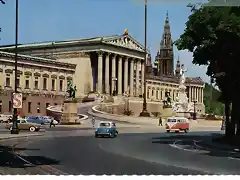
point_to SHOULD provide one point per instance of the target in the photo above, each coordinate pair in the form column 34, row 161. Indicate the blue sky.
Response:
column 49, row 20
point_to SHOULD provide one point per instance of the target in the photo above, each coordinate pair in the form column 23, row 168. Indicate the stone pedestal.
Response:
column 69, row 114
column 167, row 111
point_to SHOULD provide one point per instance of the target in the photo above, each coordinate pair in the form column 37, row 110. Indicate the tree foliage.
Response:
column 2, row 1
column 212, row 34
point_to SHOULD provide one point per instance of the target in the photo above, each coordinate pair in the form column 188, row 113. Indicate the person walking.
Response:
column 51, row 123
column 160, row 121
column 93, row 121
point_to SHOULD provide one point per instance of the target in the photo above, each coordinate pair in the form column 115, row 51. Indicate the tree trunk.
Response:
column 227, row 120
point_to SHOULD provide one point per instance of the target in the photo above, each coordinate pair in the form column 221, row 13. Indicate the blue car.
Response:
column 106, row 129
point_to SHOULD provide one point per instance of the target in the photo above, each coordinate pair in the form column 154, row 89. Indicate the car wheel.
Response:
column 32, row 129
column 176, row 131
column 186, row 130
column 37, row 130
column 168, row 131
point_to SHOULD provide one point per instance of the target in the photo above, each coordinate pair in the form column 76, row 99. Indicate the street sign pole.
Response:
column 15, row 129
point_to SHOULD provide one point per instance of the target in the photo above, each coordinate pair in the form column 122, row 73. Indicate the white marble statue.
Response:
column 182, row 76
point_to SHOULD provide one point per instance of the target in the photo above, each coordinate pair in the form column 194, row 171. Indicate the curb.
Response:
column 101, row 115
column 84, row 117
column 18, row 137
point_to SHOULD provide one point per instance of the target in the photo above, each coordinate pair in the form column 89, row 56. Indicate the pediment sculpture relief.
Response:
column 126, row 42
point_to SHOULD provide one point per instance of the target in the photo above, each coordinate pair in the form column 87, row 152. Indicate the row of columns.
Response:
column 127, row 80
column 196, row 94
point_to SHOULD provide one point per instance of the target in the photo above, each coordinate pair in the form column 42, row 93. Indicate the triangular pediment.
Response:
column 125, row 41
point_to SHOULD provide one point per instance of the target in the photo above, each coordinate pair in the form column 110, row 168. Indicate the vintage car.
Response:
column 23, row 124
column 106, row 128
column 177, row 124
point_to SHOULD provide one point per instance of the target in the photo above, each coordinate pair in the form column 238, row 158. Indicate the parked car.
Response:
column 5, row 118
column 106, row 128
column 23, row 124
column 43, row 120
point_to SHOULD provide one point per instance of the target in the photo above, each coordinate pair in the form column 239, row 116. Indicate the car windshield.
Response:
column 104, row 125
column 171, row 120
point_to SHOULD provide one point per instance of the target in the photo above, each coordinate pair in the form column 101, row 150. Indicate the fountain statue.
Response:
column 181, row 106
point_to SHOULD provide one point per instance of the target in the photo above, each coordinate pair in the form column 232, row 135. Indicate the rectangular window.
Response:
column 36, row 84
column 18, row 82
column 8, row 82
column 10, row 106
column 44, row 83
column 38, row 107
column 27, row 84
column 29, row 107
column 61, row 85
column 53, row 84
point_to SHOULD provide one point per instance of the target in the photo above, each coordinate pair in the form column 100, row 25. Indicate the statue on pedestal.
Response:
column 71, row 90
column 182, row 76
column 167, row 101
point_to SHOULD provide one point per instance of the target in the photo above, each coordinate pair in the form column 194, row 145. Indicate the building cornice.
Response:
column 11, row 56
column 174, row 79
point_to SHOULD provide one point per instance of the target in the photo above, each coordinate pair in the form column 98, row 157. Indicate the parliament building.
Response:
column 100, row 64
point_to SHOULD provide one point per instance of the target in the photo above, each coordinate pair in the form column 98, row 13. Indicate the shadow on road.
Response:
column 8, row 158
column 199, row 142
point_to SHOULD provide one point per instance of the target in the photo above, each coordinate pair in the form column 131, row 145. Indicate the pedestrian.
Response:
column 93, row 121
column 51, row 124
column 160, row 121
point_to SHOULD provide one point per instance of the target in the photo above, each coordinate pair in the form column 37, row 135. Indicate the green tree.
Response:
column 213, row 35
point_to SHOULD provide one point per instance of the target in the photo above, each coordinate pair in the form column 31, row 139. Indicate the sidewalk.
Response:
column 20, row 135
column 151, row 121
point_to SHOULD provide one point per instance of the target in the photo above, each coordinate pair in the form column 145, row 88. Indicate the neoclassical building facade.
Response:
column 108, row 65
column 42, row 82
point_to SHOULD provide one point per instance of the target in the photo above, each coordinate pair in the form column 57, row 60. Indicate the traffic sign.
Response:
column 17, row 100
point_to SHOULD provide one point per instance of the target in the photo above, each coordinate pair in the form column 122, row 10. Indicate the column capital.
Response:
column 113, row 55
column 100, row 53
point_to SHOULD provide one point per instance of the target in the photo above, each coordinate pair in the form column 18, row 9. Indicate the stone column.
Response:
column 126, row 75
column 142, row 76
column 113, row 71
column 197, row 93
column 100, row 71
column 120, row 75
column 107, row 88
column 137, row 76
column 131, row 77
column 189, row 92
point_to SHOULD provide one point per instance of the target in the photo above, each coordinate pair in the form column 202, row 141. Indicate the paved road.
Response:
column 161, row 154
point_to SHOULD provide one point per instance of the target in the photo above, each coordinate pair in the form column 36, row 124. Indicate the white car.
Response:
column 5, row 118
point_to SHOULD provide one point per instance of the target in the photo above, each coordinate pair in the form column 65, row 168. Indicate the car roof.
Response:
column 106, row 122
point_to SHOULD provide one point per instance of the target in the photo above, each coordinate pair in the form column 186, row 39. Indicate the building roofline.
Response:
column 37, row 59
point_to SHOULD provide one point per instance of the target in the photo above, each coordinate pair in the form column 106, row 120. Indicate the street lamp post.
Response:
column 144, row 112
column 194, row 110
column 15, row 129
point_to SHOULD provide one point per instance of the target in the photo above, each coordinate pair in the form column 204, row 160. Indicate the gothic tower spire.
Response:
column 165, row 55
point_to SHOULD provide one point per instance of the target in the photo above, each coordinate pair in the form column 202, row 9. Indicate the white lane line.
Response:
column 174, row 145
